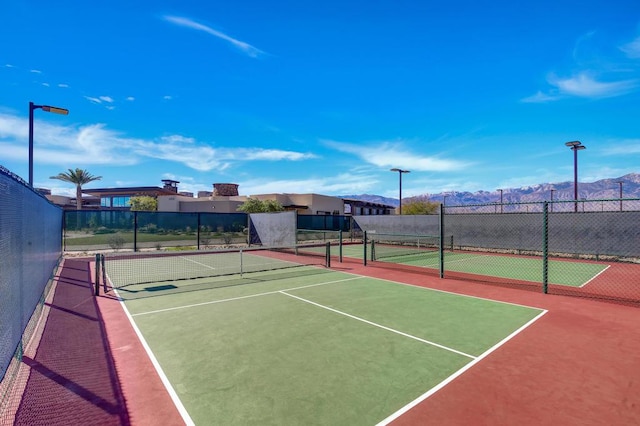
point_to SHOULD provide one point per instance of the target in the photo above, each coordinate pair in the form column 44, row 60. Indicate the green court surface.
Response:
column 316, row 347
column 561, row 272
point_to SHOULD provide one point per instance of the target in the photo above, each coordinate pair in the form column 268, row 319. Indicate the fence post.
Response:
column 545, row 248
column 441, row 254
column 198, row 232
column 135, row 231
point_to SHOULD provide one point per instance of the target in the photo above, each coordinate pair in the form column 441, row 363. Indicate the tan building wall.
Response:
column 307, row 203
column 177, row 203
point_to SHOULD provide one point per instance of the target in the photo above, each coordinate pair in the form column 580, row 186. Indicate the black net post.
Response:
column 97, row 276
column 104, row 272
column 364, row 248
column 545, row 247
column 328, row 254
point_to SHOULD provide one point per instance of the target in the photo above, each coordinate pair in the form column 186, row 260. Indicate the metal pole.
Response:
column 400, row 205
column 31, row 108
column 46, row 108
column 575, row 177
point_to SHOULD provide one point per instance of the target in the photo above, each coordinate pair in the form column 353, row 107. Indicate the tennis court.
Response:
column 309, row 345
column 568, row 272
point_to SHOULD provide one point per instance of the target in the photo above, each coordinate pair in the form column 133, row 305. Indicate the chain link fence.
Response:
column 30, row 250
column 118, row 230
column 589, row 248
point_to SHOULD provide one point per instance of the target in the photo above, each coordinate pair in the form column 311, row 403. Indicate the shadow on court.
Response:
column 73, row 380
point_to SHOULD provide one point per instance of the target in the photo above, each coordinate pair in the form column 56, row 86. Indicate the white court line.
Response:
column 449, row 379
column 196, row 262
column 378, row 325
column 163, row 377
column 444, row 291
column 595, row 276
column 243, row 297
column 466, row 258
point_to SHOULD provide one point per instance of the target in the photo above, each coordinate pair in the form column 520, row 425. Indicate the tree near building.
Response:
column 253, row 205
column 143, row 203
column 78, row 177
column 420, row 207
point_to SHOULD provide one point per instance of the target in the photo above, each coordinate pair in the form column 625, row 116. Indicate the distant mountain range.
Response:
column 599, row 190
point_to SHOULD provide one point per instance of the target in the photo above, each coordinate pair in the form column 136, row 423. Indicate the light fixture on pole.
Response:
column 575, row 147
column 400, row 172
column 47, row 108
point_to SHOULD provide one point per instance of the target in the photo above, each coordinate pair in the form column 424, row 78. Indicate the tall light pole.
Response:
column 620, row 183
column 400, row 172
column 47, row 108
column 575, row 147
column 552, row 191
column 501, row 190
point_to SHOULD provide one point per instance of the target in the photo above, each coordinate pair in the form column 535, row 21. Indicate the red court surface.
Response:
column 578, row 365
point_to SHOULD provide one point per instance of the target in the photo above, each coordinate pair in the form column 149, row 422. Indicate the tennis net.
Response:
column 390, row 246
column 120, row 270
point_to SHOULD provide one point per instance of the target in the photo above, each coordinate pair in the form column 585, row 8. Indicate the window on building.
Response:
column 115, row 201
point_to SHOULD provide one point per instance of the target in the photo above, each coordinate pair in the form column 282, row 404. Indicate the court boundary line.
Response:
column 197, row 263
column 455, row 375
column 156, row 364
column 436, row 265
column 410, row 336
column 595, row 276
column 446, row 291
column 211, row 302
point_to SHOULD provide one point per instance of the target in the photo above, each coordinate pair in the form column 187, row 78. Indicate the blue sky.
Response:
column 324, row 97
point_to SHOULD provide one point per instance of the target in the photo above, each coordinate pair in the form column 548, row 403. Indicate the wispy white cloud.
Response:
column 130, row 98
column 597, row 74
column 204, row 157
column 259, row 154
column 540, row 97
column 620, row 147
column 167, row 97
column 342, row 184
column 396, row 154
column 632, row 49
column 583, row 85
column 586, row 86
column 46, row 84
column 248, row 49
column 105, row 101
column 35, row 71
column 96, row 144
column 63, row 85
column 9, row 66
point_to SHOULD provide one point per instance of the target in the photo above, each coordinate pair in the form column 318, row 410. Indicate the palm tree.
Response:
column 78, row 177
